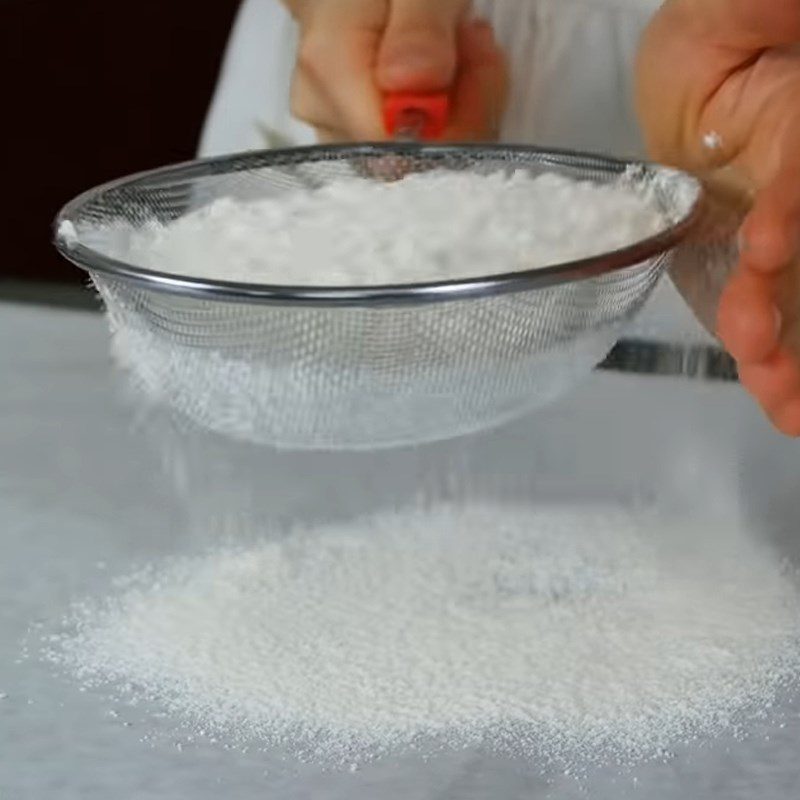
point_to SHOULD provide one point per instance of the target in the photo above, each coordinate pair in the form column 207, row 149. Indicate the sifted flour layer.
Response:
column 427, row 227
column 562, row 634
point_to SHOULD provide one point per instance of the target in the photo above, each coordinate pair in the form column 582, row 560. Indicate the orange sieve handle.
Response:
column 415, row 116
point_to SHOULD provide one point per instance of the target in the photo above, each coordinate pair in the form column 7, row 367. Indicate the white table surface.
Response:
column 88, row 489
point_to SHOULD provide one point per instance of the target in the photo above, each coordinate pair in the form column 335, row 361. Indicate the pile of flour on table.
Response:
column 426, row 227
column 564, row 634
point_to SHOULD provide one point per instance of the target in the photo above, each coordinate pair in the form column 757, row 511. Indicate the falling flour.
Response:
column 431, row 226
column 564, row 634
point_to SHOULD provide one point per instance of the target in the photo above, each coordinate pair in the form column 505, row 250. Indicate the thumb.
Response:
column 419, row 48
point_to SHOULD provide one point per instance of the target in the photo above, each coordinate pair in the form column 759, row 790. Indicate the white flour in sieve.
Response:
column 571, row 635
column 431, row 226
column 316, row 377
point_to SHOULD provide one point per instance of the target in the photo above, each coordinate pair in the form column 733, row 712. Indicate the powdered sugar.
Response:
column 580, row 635
column 426, row 227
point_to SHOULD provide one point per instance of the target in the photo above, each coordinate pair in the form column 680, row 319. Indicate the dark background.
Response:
column 93, row 90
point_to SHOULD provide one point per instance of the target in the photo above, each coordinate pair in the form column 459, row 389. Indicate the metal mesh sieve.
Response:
column 352, row 368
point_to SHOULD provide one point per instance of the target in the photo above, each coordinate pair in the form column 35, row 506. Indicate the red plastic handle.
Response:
column 426, row 114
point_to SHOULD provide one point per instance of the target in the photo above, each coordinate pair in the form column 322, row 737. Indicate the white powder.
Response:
column 430, row 226
column 573, row 635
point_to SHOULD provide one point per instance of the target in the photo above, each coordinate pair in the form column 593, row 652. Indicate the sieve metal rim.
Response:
column 103, row 267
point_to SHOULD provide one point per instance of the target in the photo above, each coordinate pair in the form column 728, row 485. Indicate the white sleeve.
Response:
column 572, row 67
column 250, row 107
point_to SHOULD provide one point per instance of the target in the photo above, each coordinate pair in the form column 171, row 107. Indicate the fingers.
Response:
column 722, row 71
column 352, row 51
column 740, row 24
column 758, row 335
column 762, row 292
column 481, row 90
column 749, row 322
column 769, row 366
column 333, row 88
column 759, row 313
column 770, row 237
column 787, row 419
column 419, row 49
column 775, row 383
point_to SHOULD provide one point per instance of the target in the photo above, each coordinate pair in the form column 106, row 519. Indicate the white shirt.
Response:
column 571, row 75
column 571, row 87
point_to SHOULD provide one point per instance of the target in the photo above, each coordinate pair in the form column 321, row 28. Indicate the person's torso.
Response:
column 571, row 67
